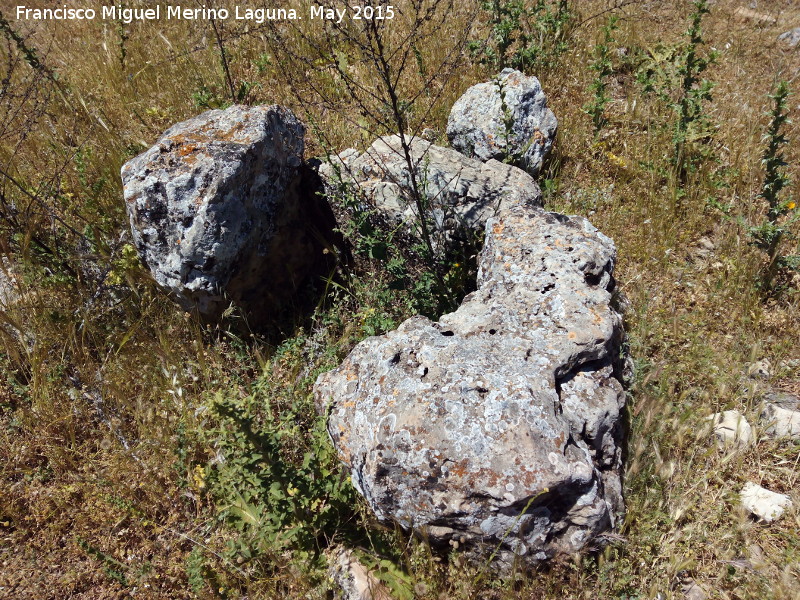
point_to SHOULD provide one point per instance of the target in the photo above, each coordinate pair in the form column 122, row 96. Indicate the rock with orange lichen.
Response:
column 223, row 213
column 499, row 426
column 505, row 119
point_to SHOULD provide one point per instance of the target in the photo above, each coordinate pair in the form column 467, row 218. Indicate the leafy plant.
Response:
column 523, row 35
column 774, row 229
column 693, row 124
column 603, row 69
column 675, row 75
column 275, row 475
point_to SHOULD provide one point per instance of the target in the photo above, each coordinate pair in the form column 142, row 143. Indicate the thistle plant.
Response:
column 774, row 229
column 524, row 35
column 603, row 69
column 693, row 123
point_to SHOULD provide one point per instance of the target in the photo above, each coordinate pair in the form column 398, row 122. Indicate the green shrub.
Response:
column 523, row 35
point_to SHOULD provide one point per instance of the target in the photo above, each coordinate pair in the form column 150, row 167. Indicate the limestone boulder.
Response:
column 457, row 194
column 504, row 119
column 497, row 427
column 222, row 212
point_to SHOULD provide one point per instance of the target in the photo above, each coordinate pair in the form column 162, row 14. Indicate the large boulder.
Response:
column 504, row 119
column 222, row 211
column 499, row 426
column 458, row 194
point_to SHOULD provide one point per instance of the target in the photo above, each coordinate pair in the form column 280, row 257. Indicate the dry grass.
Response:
column 104, row 387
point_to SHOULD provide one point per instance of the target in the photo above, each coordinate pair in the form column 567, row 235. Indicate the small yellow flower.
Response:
column 199, row 476
column 791, row 205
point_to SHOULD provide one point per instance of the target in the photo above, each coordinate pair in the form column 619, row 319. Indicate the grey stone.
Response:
column 460, row 193
column 9, row 291
column 761, row 369
column 220, row 215
column 730, row 428
column 764, row 504
column 791, row 37
column 781, row 415
column 693, row 591
column 506, row 118
column 497, row 427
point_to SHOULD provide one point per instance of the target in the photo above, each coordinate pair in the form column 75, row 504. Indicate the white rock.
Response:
column 781, row 421
column 759, row 370
column 353, row 579
column 791, row 37
column 764, row 504
column 731, row 428
column 504, row 118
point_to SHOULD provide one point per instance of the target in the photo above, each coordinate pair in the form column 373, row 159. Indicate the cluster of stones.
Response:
column 496, row 429
column 779, row 418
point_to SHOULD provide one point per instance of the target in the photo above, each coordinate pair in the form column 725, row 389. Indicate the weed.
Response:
column 675, row 75
column 775, row 227
column 603, row 69
column 524, row 36
column 693, row 124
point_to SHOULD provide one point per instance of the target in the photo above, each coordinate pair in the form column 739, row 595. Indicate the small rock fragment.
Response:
column 504, row 118
column 692, row 590
column 791, row 37
column 781, row 415
column 354, row 580
column 765, row 505
column 731, row 428
column 8, row 285
column 747, row 14
column 761, row 369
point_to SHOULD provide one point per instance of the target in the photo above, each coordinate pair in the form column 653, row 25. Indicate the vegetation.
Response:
column 603, row 69
column 145, row 454
column 771, row 232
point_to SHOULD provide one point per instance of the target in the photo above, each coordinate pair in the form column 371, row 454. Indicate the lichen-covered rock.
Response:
column 506, row 118
column 499, row 425
column 460, row 193
column 220, row 215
